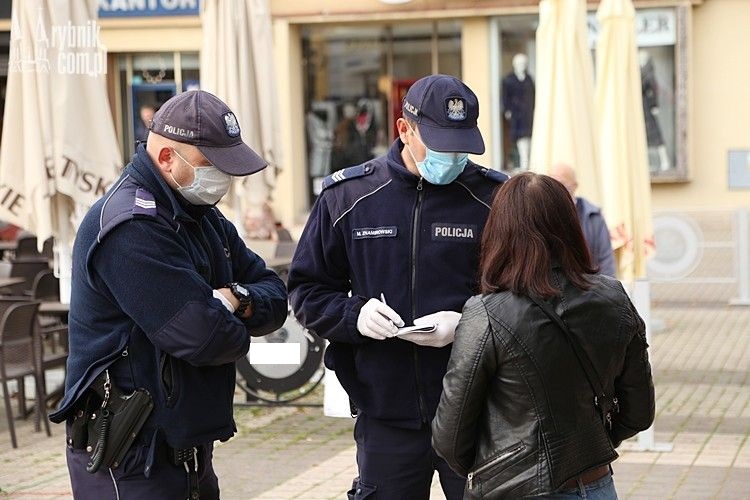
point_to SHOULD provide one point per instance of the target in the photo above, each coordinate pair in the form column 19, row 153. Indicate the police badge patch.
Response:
column 455, row 109
column 230, row 122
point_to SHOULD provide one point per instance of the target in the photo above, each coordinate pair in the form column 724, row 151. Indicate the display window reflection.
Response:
column 355, row 79
column 661, row 38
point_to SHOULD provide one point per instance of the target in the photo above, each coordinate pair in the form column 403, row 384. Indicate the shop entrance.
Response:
column 143, row 82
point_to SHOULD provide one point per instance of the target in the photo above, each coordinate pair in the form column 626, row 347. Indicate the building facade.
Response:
column 342, row 68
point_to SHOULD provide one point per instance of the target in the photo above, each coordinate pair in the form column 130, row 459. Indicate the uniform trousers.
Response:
column 398, row 464
column 166, row 481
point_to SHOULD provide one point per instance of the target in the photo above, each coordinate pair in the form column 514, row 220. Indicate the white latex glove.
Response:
column 221, row 294
column 378, row 321
column 443, row 335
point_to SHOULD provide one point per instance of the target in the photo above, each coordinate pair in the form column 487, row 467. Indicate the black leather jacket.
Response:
column 516, row 414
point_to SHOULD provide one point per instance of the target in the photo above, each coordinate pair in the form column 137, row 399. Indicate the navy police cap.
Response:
column 446, row 111
column 200, row 118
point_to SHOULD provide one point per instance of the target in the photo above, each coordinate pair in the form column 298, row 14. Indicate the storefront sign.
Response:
column 141, row 8
column 739, row 168
column 654, row 27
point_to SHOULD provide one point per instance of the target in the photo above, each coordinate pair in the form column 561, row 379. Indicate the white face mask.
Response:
column 209, row 184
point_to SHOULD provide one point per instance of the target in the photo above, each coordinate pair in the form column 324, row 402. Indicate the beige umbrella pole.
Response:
column 625, row 184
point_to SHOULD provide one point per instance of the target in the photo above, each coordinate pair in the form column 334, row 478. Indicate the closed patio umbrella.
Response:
column 564, row 130
column 58, row 152
column 626, row 189
column 237, row 66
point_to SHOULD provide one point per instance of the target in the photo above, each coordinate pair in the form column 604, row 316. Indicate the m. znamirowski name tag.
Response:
column 362, row 233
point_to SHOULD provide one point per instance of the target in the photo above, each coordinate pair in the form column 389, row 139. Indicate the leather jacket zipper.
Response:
column 489, row 465
column 414, row 238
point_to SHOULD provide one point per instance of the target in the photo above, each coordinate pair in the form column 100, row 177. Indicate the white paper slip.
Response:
column 262, row 353
column 416, row 329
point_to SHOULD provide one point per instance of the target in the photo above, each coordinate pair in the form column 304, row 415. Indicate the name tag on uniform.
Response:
column 363, row 233
column 454, row 232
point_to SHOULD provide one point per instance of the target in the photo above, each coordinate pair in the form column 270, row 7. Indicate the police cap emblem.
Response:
column 455, row 109
column 230, row 122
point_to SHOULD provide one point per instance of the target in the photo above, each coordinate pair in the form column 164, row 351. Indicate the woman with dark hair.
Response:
column 549, row 370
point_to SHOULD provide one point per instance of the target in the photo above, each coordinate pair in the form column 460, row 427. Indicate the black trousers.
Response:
column 165, row 482
column 397, row 463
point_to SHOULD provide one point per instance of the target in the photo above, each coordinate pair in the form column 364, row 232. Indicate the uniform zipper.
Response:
column 495, row 461
column 207, row 249
column 125, row 353
column 414, row 237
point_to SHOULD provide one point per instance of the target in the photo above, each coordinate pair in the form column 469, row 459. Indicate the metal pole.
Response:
column 642, row 301
column 742, row 221
column 63, row 248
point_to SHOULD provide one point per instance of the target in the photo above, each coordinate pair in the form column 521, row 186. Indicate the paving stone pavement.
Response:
column 701, row 361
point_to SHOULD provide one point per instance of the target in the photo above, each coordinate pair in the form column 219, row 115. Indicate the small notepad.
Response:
column 416, row 329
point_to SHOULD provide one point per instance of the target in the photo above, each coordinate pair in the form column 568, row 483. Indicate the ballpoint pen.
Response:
column 382, row 299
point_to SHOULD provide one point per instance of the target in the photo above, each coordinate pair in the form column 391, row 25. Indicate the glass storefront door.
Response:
column 144, row 82
column 355, row 79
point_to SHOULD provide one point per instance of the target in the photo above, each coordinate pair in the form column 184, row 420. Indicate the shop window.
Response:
column 662, row 54
column 145, row 82
column 355, row 79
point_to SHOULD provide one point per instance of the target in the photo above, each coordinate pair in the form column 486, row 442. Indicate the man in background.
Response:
column 592, row 222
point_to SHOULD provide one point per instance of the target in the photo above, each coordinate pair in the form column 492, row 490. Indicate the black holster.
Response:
column 109, row 425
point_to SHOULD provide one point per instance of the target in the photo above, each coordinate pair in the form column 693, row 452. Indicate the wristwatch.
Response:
column 241, row 294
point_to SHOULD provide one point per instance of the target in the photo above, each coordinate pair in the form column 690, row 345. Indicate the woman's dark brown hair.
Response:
column 533, row 222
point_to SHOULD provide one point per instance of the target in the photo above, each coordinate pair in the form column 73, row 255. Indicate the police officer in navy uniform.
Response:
column 406, row 228
column 165, row 298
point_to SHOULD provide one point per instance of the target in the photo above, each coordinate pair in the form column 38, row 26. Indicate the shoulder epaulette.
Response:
column 493, row 174
column 348, row 173
column 145, row 203
column 126, row 202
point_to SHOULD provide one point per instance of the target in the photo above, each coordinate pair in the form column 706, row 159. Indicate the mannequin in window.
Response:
column 518, row 107
column 320, row 139
column 349, row 146
column 650, row 90
column 366, row 126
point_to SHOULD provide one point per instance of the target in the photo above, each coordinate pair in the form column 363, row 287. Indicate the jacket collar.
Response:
column 585, row 208
column 396, row 164
column 146, row 174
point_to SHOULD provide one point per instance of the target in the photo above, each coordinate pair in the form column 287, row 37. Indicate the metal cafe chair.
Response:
column 26, row 248
column 19, row 358
column 53, row 329
column 5, row 302
column 48, row 248
column 27, row 269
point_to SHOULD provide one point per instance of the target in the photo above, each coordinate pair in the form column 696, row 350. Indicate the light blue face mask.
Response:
column 440, row 168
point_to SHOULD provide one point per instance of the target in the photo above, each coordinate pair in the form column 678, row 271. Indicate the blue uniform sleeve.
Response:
column 602, row 247
column 319, row 283
column 270, row 306
column 150, row 278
